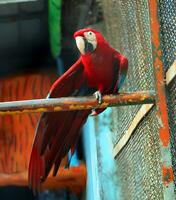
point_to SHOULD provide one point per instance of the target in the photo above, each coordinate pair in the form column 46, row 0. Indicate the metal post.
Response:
column 162, row 114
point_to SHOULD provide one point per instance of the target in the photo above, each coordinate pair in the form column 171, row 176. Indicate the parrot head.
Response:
column 87, row 40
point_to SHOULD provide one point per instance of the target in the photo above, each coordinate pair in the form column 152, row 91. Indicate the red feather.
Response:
column 58, row 132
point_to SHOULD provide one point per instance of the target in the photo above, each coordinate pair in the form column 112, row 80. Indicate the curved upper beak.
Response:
column 80, row 43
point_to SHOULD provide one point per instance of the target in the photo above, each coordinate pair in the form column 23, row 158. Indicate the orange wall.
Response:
column 17, row 131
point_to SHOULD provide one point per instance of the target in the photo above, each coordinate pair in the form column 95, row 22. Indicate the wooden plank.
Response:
column 126, row 136
column 171, row 73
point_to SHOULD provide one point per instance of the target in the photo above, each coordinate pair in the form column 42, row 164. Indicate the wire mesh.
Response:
column 138, row 163
column 167, row 10
column 171, row 94
column 128, row 29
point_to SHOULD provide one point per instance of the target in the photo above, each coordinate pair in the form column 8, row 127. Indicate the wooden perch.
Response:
column 75, row 103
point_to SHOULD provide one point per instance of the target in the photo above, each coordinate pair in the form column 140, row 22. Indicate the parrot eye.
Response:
column 90, row 36
column 89, row 33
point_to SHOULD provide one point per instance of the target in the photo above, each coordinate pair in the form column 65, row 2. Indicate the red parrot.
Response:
column 100, row 68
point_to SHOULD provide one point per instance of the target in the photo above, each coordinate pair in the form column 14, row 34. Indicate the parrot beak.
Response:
column 80, row 43
column 84, row 45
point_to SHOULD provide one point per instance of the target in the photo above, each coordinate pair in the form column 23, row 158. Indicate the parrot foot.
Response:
column 98, row 97
column 93, row 113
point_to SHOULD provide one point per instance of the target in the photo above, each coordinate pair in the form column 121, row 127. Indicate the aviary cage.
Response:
column 144, row 135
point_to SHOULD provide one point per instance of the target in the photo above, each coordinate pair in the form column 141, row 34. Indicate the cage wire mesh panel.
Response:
column 128, row 29
column 139, row 162
column 167, row 11
column 171, row 94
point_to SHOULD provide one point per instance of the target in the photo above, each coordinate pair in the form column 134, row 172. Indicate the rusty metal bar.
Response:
column 76, row 103
column 162, row 114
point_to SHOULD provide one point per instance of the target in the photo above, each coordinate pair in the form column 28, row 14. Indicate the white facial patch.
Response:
column 80, row 44
column 91, row 38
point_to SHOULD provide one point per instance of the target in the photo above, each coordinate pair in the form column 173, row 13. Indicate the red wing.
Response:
column 57, row 132
column 122, row 64
column 67, row 85
column 70, row 81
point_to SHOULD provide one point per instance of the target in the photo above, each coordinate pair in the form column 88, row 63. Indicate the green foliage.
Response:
column 55, row 26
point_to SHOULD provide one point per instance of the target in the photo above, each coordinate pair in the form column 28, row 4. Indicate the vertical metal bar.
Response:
column 162, row 114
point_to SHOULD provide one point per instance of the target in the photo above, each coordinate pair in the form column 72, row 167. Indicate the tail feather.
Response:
column 47, row 125
column 58, row 140
column 54, row 128
column 71, row 138
column 56, row 166
column 66, row 136
column 36, row 170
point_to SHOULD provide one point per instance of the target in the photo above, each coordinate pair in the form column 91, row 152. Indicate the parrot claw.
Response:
column 98, row 97
column 93, row 113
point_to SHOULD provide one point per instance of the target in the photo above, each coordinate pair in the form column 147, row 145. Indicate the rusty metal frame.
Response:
column 162, row 114
column 76, row 103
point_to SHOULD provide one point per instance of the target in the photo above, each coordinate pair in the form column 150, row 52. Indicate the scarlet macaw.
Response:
column 101, row 68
